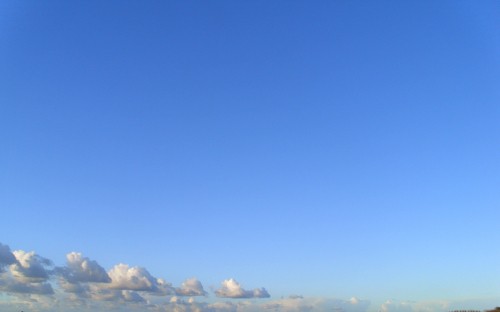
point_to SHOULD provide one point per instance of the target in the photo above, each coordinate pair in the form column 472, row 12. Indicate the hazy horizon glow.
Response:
column 243, row 156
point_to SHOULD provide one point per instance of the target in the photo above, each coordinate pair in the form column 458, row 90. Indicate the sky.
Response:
column 249, row 155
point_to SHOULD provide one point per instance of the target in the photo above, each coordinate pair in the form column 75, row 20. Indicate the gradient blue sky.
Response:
column 320, row 148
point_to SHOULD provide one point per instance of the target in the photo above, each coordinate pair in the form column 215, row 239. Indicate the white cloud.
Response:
column 30, row 267
column 82, row 269
column 78, row 273
column 232, row 289
column 191, row 287
column 28, row 273
column 83, row 285
column 136, row 278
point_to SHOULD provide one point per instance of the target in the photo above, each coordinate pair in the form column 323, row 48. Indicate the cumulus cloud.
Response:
column 82, row 269
column 78, row 273
column 30, row 267
column 28, row 273
column 27, row 279
column 136, row 278
column 232, row 289
column 191, row 287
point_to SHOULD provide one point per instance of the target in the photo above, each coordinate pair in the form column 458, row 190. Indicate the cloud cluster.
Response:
column 82, row 283
column 232, row 289
column 124, row 277
column 33, row 283
column 30, row 267
column 191, row 287
column 81, row 269
column 28, row 273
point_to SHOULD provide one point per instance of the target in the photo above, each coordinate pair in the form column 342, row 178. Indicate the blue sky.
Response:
column 326, row 149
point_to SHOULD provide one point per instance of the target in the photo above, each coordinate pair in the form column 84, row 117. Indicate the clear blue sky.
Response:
column 325, row 148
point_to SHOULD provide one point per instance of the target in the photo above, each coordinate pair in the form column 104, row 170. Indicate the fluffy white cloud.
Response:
column 83, row 285
column 30, row 267
column 191, row 287
column 28, row 273
column 232, row 289
column 82, row 269
column 136, row 278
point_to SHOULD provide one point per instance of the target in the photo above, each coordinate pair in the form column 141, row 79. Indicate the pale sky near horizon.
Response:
column 316, row 149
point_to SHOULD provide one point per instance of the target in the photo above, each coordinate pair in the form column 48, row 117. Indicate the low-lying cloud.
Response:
column 24, row 273
column 31, row 282
column 124, row 277
column 232, row 289
column 10, row 285
column 191, row 287
column 30, row 267
column 80, row 269
column 84, row 284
